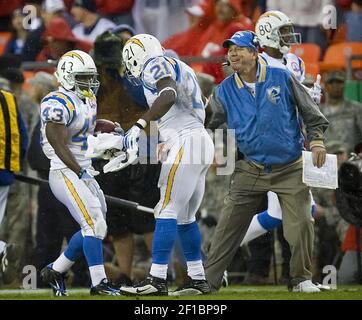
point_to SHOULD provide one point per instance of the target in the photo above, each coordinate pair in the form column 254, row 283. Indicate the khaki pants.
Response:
column 248, row 185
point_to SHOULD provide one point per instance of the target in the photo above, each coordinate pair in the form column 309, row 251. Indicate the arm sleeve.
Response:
column 314, row 121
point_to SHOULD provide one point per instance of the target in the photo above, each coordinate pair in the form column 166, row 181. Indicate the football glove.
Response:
column 122, row 160
column 119, row 130
column 131, row 138
column 104, row 145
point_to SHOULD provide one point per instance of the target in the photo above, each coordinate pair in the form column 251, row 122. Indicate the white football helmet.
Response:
column 268, row 31
column 77, row 72
column 138, row 50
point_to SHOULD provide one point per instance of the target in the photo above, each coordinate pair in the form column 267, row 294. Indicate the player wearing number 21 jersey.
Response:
column 176, row 102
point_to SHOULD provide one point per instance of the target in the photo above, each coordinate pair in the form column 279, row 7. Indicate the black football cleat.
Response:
column 192, row 288
column 55, row 279
column 105, row 288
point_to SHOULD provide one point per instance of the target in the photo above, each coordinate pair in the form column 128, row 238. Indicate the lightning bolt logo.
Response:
column 270, row 13
column 74, row 55
column 137, row 42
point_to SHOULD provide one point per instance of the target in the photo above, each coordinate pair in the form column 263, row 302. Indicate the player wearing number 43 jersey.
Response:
column 175, row 100
column 68, row 118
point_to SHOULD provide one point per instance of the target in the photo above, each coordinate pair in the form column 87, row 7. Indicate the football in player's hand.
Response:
column 104, row 126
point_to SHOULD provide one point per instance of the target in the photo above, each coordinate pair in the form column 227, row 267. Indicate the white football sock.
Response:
column 2, row 246
column 159, row 270
column 97, row 274
column 195, row 270
column 62, row 264
column 255, row 230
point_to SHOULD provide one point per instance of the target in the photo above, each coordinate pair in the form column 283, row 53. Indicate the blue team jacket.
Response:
column 266, row 126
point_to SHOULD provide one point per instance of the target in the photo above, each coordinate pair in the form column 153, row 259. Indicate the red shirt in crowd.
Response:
column 110, row 7
column 350, row 242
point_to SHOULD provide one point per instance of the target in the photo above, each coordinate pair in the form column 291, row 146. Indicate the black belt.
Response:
column 240, row 155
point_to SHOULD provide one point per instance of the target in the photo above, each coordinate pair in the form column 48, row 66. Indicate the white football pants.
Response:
column 182, row 177
column 84, row 206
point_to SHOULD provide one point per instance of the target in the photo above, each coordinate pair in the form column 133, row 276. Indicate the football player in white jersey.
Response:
column 175, row 100
column 68, row 116
column 275, row 34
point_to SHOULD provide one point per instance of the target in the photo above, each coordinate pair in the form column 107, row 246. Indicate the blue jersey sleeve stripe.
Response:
column 178, row 73
column 176, row 67
column 69, row 105
column 301, row 66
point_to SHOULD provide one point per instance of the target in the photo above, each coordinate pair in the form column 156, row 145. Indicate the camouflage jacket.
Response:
column 345, row 123
column 326, row 198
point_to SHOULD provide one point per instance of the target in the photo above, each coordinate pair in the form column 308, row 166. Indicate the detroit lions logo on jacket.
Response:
column 273, row 94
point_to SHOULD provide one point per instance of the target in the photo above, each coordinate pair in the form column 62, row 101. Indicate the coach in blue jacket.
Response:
column 266, row 106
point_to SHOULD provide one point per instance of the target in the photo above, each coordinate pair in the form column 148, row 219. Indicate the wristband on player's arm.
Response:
column 142, row 124
column 80, row 173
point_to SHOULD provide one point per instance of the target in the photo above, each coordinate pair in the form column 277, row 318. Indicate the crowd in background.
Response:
column 192, row 29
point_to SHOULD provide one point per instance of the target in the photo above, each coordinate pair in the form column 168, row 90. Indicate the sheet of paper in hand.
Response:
column 324, row 177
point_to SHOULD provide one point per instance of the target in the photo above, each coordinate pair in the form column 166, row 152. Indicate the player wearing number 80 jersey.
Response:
column 68, row 118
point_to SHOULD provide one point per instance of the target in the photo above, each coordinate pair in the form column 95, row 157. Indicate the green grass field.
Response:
column 230, row 293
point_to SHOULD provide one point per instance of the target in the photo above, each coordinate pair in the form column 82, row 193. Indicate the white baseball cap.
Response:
column 51, row 6
column 195, row 10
